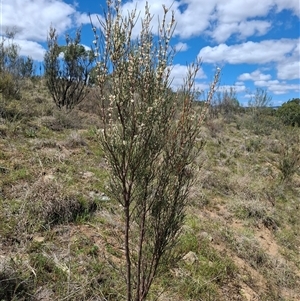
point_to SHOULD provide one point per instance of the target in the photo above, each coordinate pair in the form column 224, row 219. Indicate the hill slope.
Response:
column 61, row 236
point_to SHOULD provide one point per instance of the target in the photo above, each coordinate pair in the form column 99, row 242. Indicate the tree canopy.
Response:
column 289, row 112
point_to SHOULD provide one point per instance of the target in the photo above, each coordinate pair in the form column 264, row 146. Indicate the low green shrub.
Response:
column 289, row 112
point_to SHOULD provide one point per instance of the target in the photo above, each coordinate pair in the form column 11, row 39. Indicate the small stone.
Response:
column 104, row 198
column 99, row 196
column 205, row 235
column 38, row 239
column 245, row 294
column 48, row 178
column 190, row 257
column 87, row 175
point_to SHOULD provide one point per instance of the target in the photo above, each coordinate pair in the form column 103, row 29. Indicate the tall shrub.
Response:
column 289, row 112
column 13, row 67
column 67, row 70
column 225, row 102
column 149, row 139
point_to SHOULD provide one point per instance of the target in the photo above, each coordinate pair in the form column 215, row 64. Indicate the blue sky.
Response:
column 255, row 43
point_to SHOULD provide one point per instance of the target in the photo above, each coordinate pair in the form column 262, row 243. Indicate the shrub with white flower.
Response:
column 149, row 138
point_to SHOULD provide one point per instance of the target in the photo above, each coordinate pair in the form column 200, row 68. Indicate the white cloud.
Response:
column 202, row 87
column 31, row 49
column 179, row 73
column 236, row 11
column 28, row 48
column 244, row 18
column 278, row 87
column 236, row 87
column 180, row 47
column 195, row 20
column 243, row 29
column 249, row 52
column 265, row 81
column 216, row 17
column 156, row 9
column 221, row 19
column 254, row 76
column 289, row 69
column 32, row 18
column 84, row 18
column 290, row 4
column 217, row 20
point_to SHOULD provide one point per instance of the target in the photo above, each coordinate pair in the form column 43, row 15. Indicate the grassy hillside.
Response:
column 61, row 236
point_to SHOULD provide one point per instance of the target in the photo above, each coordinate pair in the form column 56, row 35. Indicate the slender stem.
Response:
column 140, row 273
column 127, row 253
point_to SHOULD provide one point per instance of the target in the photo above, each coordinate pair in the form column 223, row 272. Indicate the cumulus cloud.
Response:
column 192, row 21
column 242, row 30
column 287, row 65
column 195, row 19
column 236, row 11
column 32, row 18
column 221, row 19
column 84, row 18
column 280, row 88
column 265, row 81
column 218, row 18
column 249, row 52
column 28, row 48
column 289, row 68
column 199, row 18
column 31, row 49
column 254, row 76
column 293, row 5
column 156, row 9
column 245, row 18
column 277, row 87
column 202, row 87
column 236, row 87
column 238, row 83
column 179, row 72
column 230, row 23
column 180, row 47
